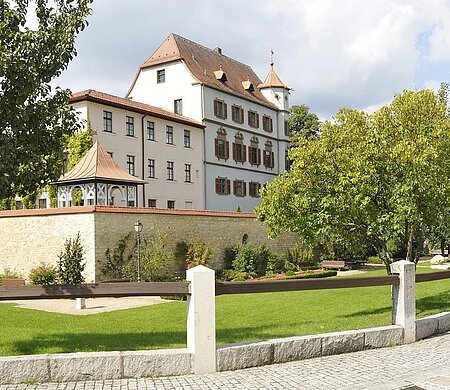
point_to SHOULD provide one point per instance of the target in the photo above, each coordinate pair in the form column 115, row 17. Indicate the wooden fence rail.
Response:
column 432, row 276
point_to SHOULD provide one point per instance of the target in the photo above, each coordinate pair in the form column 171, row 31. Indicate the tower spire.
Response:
column 271, row 58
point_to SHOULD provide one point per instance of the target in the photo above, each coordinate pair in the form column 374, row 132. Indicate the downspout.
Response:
column 143, row 163
column 203, row 145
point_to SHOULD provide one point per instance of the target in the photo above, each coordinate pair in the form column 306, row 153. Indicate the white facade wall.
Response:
column 185, row 195
column 179, row 84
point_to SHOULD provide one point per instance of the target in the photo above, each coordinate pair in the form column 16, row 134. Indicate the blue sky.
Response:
column 333, row 53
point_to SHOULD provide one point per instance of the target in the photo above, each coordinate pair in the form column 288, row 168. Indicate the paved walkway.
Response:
column 423, row 365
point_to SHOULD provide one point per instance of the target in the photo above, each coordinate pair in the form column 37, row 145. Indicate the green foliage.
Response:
column 33, row 115
column 310, row 274
column 78, row 145
column 71, row 262
column 198, row 253
column 52, row 193
column 230, row 275
column 116, row 258
column 367, row 179
column 374, row 260
column 9, row 274
column 258, row 260
column 303, row 123
column 301, row 255
column 7, row 204
column 44, row 275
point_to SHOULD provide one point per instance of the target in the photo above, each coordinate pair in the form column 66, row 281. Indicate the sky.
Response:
column 332, row 53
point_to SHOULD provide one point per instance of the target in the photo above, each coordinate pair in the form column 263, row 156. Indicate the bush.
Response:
column 9, row 274
column 116, row 258
column 312, row 275
column 230, row 275
column 44, row 275
column 374, row 260
column 250, row 259
column 70, row 262
column 301, row 255
column 198, row 253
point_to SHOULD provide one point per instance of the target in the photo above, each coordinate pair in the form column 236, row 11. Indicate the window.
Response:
column 151, row 202
column 253, row 119
column 254, row 153
column 253, row 189
column 161, row 76
column 130, row 126
column 220, row 109
column 188, row 204
column 107, row 121
column 287, row 129
column 268, row 155
column 287, row 162
column 239, row 188
column 150, row 131
column 237, row 114
column 169, row 170
column 187, row 139
column 178, row 106
column 19, row 205
column 42, row 203
column 169, row 135
column 111, row 154
column 130, row 164
column 187, row 173
column 267, row 123
column 239, row 150
column 151, row 168
column 170, row 204
column 221, row 145
column 222, row 186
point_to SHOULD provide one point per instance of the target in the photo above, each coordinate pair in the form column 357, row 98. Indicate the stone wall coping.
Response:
column 118, row 209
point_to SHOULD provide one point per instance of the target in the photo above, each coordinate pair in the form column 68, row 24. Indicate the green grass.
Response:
column 247, row 317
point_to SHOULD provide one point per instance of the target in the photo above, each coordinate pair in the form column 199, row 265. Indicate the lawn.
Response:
column 239, row 318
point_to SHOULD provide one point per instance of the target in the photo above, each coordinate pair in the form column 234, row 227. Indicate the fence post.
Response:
column 404, row 299
column 201, row 319
column 80, row 303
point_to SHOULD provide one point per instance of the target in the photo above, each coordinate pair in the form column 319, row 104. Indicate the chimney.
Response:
column 218, row 50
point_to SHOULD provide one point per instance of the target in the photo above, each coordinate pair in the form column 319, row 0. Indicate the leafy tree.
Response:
column 71, row 261
column 303, row 122
column 33, row 117
column 367, row 178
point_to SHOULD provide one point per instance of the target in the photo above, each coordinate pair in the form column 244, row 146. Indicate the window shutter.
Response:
column 244, row 153
column 272, row 160
column 215, row 107
column 227, row 150
column 271, row 125
column 217, row 185
column 228, row 186
column 248, row 117
column 234, row 187
column 258, row 156
column 225, row 110
column 216, row 147
column 244, row 187
column 234, row 151
column 257, row 120
column 242, row 115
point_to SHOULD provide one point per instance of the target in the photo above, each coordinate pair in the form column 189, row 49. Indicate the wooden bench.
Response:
column 6, row 282
column 336, row 264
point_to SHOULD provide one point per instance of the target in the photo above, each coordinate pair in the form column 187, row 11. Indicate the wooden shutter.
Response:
column 216, row 109
column 227, row 150
column 225, row 110
column 228, row 186
column 257, row 120
column 242, row 115
column 216, row 147
column 244, row 188
column 234, row 187
column 234, row 151
column 258, row 156
column 217, row 185
column 271, row 124
column 272, row 160
column 248, row 117
column 244, row 153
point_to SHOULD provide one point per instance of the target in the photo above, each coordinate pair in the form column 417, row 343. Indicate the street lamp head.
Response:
column 138, row 226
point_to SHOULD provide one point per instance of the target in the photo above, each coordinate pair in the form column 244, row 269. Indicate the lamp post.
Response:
column 138, row 229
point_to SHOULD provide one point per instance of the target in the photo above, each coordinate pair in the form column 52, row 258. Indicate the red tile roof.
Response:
column 203, row 62
column 128, row 104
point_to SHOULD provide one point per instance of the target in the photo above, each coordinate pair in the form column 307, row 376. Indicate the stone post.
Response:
column 404, row 299
column 201, row 319
column 80, row 303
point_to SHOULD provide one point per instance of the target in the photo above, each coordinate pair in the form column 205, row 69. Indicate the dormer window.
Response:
column 248, row 85
column 220, row 74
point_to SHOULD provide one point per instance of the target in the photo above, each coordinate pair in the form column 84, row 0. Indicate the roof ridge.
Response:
column 209, row 49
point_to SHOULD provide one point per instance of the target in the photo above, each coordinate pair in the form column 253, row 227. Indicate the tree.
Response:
column 303, row 122
column 33, row 117
column 367, row 178
column 71, row 262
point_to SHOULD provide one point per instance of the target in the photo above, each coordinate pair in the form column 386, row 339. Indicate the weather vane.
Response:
column 271, row 58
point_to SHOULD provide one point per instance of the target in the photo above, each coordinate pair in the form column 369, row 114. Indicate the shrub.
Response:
column 70, row 261
column 250, row 259
column 374, row 260
column 312, row 275
column 230, row 275
column 44, row 275
column 198, row 253
column 301, row 255
column 229, row 254
column 9, row 274
column 117, row 257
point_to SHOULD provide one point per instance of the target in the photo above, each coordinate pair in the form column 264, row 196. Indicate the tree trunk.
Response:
column 443, row 247
column 410, row 247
